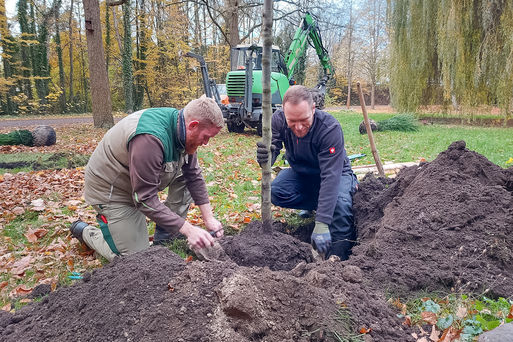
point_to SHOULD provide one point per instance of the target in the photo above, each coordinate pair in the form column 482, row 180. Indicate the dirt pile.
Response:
column 154, row 296
column 443, row 225
column 258, row 248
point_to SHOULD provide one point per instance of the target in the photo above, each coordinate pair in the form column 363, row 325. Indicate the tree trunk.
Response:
column 373, row 91
column 128, row 81
column 349, row 56
column 233, row 22
column 70, row 27
column 85, row 98
column 25, row 48
column 62, row 85
column 41, row 65
column 8, row 107
column 100, row 89
column 107, row 36
column 140, row 64
column 116, row 28
column 267, row 113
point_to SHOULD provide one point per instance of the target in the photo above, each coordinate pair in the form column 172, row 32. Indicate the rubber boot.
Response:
column 77, row 229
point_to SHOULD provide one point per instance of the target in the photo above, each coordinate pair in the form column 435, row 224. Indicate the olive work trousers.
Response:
column 126, row 231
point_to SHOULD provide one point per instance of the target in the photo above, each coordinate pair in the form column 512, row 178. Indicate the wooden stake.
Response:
column 375, row 153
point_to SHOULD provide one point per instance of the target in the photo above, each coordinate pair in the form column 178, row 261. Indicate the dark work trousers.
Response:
column 292, row 190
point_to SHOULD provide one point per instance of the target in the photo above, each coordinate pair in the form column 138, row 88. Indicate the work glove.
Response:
column 321, row 237
column 262, row 150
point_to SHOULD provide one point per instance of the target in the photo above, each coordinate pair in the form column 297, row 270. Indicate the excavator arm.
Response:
column 308, row 29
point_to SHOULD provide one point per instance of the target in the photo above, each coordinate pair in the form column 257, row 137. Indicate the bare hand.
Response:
column 196, row 237
column 214, row 225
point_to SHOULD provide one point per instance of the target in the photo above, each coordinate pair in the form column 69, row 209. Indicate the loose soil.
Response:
column 441, row 226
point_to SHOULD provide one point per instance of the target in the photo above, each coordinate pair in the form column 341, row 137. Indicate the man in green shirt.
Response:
column 144, row 153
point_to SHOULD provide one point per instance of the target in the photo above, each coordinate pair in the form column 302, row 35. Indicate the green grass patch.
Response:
column 179, row 246
column 494, row 143
column 30, row 161
column 15, row 230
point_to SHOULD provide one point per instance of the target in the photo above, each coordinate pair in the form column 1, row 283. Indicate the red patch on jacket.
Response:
column 332, row 150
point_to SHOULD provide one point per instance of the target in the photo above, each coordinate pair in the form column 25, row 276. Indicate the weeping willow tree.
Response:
column 451, row 51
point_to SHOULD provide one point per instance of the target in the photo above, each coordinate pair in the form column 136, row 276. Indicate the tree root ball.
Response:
column 373, row 124
column 44, row 136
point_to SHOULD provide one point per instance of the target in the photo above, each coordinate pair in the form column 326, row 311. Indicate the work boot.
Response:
column 306, row 214
column 77, row 229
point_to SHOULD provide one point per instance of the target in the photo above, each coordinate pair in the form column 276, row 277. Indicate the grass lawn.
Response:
column 495, row 143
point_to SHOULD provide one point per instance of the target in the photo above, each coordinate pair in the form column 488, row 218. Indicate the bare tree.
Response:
column 267, row 113
column 350, row 55
column 100, row 89
column 374, row 41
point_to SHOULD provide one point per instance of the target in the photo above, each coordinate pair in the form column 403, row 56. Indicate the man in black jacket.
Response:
column 320, row 177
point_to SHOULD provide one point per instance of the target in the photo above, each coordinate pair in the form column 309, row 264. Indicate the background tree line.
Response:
column 45, row 65
column 452, row 53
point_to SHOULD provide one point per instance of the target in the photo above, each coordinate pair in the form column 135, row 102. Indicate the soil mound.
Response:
column 278, row 251
column 443, row 225
column 154, row 296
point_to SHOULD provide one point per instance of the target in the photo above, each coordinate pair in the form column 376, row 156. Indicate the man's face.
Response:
column 299, row 117
column 198, row 134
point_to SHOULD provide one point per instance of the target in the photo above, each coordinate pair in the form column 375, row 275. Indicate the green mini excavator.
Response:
column 244, row 81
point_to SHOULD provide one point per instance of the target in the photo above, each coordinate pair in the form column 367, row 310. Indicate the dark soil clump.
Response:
column 444, row 225
column 278, row 251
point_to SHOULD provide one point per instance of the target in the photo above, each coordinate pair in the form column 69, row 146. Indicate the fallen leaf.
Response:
column 18, row 211
column 407, row 321
column 434, row 334
column 70, row 265
column 3, row 284
column 20, row 266
column 21, row 290
column 74, row 202
column 247, row 219
column 510, row 315
column 461, row 312
column 364, row 330
column 33, row 235
column 450, row 334
column 6, row 307
column 38, row 204
column 429, row 317
column 188, row 259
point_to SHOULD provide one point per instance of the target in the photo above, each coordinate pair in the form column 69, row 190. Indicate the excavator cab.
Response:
column 241, row 54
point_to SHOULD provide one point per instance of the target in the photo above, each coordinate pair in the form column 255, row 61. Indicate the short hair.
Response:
column 297, row 94
column 205, row 110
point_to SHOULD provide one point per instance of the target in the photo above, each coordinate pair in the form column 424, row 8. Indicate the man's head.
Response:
column 203, row 120
column 299, row 109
